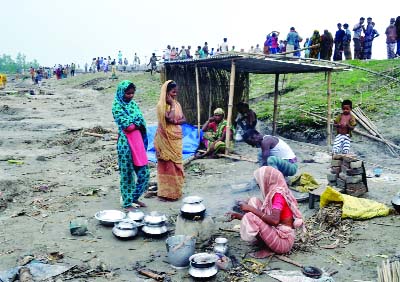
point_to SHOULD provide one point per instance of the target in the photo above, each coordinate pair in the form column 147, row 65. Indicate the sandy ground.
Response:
column 66, row 175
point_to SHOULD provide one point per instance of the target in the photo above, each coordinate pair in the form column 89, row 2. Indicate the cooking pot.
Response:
column 203, row 260
column 180, row 248
column 136, row 215
column 396, row 202
column 203, row 265
column 193, row 208
column 125, row 229
column 155, row 218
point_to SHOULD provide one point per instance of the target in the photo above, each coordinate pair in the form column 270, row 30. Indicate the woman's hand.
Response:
column 245, row 207
column 169, row 100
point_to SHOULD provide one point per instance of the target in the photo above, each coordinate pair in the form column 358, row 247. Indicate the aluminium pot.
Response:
column 203, row 260
column 155, row 218
column 125, row 230
column 396, row 202
column 193, row 208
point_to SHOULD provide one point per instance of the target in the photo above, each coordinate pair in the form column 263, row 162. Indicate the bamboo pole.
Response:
column 230, row 105
column 328, row 117
column 198, row 101
column 276, row 93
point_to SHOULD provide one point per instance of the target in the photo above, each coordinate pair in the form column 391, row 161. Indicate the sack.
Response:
column 353, row 207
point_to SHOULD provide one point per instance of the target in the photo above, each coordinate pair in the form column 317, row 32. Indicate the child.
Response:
column 344, row 123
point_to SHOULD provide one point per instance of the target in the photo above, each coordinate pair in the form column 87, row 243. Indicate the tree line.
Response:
column 9, row 65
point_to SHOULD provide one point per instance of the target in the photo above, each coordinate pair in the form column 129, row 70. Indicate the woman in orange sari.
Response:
column 168, row 144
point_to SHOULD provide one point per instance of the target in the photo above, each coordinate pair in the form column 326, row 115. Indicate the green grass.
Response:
column 376, row 95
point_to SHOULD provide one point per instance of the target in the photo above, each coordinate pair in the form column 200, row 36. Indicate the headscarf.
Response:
column 127, row 113
column 271, row 181
column 219, row 111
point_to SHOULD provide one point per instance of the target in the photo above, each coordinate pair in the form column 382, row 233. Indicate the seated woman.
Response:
column 215, row 134
column 270, row 222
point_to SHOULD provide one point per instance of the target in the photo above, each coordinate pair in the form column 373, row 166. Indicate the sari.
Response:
column 168, row 145
column 213, row 133
column 280, row 238
column 131, row 147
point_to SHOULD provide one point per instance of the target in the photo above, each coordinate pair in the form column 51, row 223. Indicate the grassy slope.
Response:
column 377, row 96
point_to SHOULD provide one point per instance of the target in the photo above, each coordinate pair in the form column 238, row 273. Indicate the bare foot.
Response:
column 261, row 254
column 150, row 194
column 128, row 209
column 141, row 204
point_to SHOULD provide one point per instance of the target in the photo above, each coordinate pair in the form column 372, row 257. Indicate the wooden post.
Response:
column 328, row 118
column 230, row 105
column 198, row 101
column 276, row 93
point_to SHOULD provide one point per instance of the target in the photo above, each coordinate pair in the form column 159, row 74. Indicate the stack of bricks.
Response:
column 348, row 173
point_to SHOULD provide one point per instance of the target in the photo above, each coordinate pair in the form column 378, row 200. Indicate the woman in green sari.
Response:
column 214, row 136
column 131, row 146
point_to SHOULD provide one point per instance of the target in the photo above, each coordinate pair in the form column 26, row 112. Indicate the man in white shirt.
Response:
column 274, row 151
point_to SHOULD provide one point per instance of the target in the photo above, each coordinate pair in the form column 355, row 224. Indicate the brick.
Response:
column 355, row 171
column 350, row 158
column 336, row 162
column 335, row 169
column 342, row 176
column 332, row 183
column 337, row 157
column 340, row 183
column 344, row 169
column 352, row 179
column 356, row 164
column 331, row 177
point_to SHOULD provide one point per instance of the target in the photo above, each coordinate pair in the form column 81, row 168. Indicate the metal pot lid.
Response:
column 155, row 217
column 136, row 215
column 126, row 225
column 203, row 258
column 192, row 200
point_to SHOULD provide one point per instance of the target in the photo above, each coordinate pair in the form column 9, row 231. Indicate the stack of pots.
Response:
column 155, row 224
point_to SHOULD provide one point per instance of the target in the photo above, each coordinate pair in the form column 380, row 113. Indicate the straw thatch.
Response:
column 214, row 89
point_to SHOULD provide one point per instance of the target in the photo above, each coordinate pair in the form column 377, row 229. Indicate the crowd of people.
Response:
column 317, row 46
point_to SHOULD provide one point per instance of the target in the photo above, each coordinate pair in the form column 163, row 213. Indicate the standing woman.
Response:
column 168, row 143
column 131, row 145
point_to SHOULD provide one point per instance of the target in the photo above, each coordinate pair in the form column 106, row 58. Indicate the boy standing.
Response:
column 344, row 123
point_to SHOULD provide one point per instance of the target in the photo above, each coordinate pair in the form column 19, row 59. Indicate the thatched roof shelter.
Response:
column 223, row 81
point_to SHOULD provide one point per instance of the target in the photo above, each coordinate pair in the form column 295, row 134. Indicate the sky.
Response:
column 62, row 32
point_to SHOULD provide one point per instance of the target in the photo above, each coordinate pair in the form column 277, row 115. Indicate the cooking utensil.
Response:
column 154, row 229
column 309, row 271
column 136, row 215
column 125, row 229
column 180, row 248
column 109, row 217
column 396, row 202
column 221, row 245
column 155, row 218
column 193, row 208
column 203, row 265
column 203, row 260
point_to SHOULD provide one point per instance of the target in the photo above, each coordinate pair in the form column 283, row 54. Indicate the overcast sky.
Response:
column 78, row 30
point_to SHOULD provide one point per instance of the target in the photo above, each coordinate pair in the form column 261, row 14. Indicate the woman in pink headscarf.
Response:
column 271, row 221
